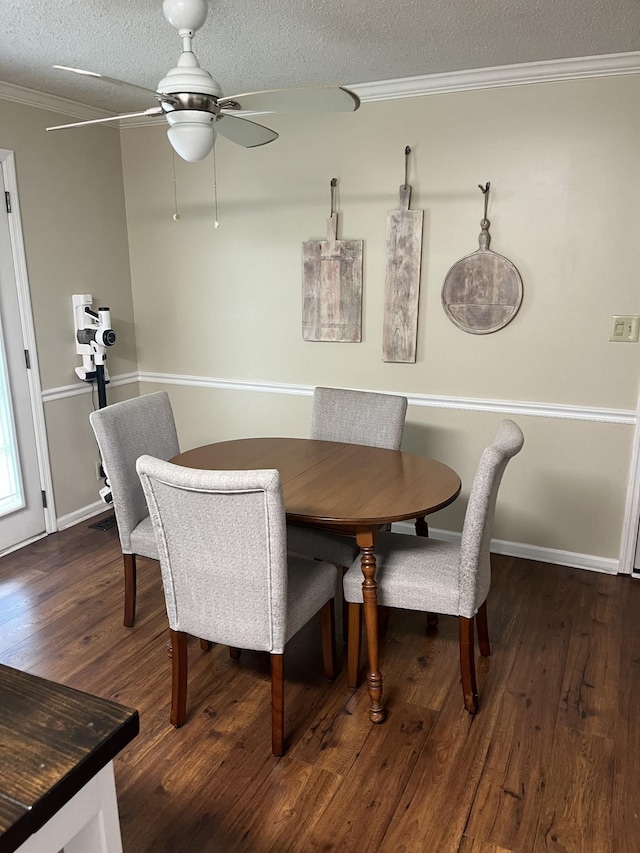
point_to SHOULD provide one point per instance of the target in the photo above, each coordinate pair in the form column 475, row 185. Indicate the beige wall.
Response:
column 74, row 225
column 563, row 164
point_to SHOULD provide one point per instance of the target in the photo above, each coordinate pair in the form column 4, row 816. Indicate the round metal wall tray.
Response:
column 482, row 292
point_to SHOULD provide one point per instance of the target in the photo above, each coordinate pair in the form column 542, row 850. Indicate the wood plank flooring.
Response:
column 550, row 763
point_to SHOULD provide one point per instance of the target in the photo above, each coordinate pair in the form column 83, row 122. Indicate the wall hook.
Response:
column 334, row 182
column 407, row 151
column 485, row 191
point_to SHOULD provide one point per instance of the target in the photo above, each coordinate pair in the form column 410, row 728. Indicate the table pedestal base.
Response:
column 366, row 543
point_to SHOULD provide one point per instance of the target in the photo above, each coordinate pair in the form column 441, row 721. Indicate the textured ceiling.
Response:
column 250, row 45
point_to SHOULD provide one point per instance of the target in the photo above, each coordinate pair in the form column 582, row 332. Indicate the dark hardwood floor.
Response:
column 550, row 763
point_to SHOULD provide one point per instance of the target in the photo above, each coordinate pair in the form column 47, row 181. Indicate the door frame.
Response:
column 7, row 163
column 631, row 521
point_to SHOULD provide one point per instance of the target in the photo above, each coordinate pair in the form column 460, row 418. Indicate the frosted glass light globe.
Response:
column 191, row 134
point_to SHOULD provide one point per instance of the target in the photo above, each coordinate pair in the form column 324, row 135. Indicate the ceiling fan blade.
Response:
column 244, row 132
column 105, row 79
column 312, row 99
column 152, row 111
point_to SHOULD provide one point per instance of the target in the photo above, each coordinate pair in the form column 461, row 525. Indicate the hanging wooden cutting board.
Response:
column 402, row 283
column 332, row 286
column 482, row 292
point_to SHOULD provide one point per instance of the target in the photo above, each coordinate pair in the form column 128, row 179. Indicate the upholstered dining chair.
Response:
column 124, row 431
column 358, row 417
column 417, row 573
column 222, row 544
column 353, row 417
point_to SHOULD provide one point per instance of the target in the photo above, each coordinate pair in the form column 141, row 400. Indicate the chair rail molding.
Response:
column 433, row 401
column 80, row 387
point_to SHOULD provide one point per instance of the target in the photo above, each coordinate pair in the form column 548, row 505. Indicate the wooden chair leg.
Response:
column 482, row 628
column 328, row 628
column 468, row 665
column 353, row 646
column 234, row 653
column 422, row 528
column 277, row 704
column 178, row 678
column 129, row 589
column 345, row 610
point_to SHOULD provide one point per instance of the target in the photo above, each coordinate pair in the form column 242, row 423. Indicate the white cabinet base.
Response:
column 88, row 823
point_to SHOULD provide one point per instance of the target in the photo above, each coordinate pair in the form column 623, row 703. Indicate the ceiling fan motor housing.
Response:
column 189, row 77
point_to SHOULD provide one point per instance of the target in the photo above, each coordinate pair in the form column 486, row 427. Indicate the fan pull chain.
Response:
column 216, row 224
column 176, row 215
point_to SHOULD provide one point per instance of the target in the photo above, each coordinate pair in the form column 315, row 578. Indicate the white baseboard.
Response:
column 498, row 546
column 82, row 514
column 528, row 552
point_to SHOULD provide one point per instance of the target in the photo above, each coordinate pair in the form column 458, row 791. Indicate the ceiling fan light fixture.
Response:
column 191, row 134
column 192, row 101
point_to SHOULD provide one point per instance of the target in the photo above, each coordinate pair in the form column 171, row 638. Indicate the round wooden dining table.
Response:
column 344, row 488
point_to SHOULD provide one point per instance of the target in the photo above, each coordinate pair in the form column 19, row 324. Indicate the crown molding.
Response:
column 31, row 98
column 550, row 71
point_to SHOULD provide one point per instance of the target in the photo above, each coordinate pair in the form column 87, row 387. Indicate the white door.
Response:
column 22, row 514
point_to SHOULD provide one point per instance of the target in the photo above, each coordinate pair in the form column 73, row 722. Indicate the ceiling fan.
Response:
column 193, row 103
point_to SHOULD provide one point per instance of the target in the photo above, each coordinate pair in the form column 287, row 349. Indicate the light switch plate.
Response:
column 625, row 327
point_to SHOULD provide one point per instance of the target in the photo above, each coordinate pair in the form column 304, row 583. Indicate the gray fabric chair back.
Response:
column 222, row 546
column 475, row 562
column 125, row 431
column 358, row 417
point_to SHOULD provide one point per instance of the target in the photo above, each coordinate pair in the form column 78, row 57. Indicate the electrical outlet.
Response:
column 99, row 471
column 625, row 327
